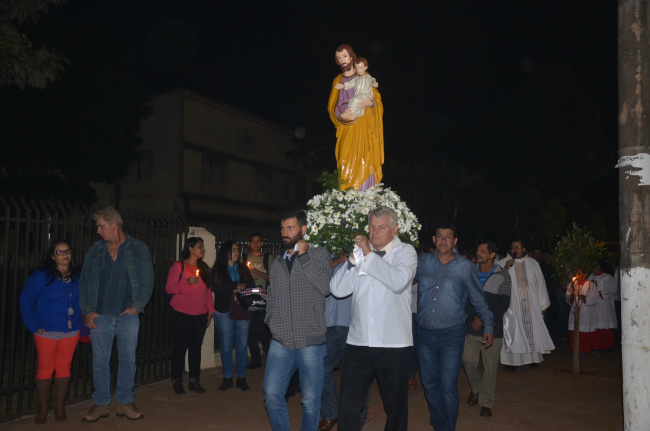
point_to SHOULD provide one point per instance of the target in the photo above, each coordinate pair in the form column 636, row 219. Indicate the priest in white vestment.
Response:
column 525, row 337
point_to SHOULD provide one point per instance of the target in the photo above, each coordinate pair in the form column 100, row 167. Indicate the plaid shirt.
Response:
column 295, row 306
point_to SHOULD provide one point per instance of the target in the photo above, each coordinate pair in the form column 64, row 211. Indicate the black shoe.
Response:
column 195, row 386
column 254, row 365
column 486, row 412
column 178, row 386
column 227, row 383
column 509, row 368
column 241, row 384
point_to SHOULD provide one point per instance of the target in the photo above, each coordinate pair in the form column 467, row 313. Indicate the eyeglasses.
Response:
column 62, row 252
column 516, row 247
column 102, row 226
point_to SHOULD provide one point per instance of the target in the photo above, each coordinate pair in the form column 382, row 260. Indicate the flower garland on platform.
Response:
column 337, row 216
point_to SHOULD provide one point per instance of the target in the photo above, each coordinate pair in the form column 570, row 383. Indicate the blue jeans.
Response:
column 232, row 332
column 440, row 353
column 336, row 336
column 281, row 363
column 125, row 328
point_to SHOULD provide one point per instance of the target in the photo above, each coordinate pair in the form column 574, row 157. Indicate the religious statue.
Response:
column 358, row 119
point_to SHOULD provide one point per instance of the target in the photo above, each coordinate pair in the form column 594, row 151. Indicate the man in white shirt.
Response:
column 380, row 339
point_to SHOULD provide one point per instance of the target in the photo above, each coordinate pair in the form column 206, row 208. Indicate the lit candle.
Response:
column 248, row 263
column 197, row 272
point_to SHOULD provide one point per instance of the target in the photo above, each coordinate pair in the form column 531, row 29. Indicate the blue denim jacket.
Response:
column 138, row 262
column 443, row 292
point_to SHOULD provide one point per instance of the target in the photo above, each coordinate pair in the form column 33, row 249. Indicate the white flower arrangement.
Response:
column 337, row 216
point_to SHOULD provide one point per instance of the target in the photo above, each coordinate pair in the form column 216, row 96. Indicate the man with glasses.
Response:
column 525, row 337
column 115, row 285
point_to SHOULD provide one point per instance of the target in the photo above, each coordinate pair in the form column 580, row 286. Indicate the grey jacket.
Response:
column 139, row 266
column 295, row 306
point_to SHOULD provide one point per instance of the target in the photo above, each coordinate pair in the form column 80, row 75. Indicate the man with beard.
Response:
column 295, row 313
column 360, row 143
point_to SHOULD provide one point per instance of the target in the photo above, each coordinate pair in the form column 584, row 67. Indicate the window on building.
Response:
column 264, row 181
column 142, row 169
column 213, row 170
column 246, row 140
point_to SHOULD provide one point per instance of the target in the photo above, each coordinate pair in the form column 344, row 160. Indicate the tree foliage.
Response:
column 83, row 127
column 577, row 251
column 23, row 62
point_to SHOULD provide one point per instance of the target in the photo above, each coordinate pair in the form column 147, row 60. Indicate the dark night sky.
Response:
column 275, row 59
column 466, row 80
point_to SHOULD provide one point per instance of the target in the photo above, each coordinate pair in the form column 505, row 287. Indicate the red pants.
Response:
column 598, row 340
column 54, row 355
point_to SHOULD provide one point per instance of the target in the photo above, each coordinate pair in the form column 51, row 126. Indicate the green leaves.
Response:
column 576, row 251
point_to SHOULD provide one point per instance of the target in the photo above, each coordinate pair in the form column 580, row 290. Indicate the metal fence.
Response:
column 26, row 230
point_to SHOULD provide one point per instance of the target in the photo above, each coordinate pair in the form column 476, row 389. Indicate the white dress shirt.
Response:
column 381, row 296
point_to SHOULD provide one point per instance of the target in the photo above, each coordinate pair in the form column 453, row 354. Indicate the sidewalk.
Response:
column 546, row 398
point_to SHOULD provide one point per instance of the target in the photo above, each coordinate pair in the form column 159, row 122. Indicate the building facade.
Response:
column 212, row 161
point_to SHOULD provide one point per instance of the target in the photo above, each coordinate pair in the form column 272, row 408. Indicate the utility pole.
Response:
column 634, row 206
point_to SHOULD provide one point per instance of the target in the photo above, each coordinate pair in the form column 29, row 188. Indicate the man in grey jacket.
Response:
column 295, row 314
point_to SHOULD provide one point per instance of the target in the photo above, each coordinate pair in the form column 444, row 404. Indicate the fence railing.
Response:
column 26, row 229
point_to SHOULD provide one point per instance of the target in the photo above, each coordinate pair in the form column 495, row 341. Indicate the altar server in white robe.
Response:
column 588, row 312
column 525, row 337
column 605, row 311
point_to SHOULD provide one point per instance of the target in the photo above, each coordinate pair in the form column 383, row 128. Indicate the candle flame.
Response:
column 197, row 272
column 248, row 263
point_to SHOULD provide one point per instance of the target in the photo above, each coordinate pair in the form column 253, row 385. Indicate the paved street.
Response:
column 546, row 398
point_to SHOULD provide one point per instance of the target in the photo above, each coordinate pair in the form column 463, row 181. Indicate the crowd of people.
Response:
column 382, row 312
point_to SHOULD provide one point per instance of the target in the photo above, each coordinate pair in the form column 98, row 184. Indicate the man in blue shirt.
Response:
column 446, row 281
column 115, row 286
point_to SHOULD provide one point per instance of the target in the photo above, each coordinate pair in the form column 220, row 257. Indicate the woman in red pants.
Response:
column 49, row 305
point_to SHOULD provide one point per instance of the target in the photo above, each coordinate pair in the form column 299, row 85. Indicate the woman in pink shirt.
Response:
column 191, row 311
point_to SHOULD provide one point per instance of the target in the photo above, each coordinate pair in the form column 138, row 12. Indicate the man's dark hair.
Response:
column 254, row 234
column 449, row 226
column 300, row 216
column 492, row 247
column 523, row 244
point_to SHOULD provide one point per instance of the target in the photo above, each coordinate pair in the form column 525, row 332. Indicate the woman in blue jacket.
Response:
column 49, row 305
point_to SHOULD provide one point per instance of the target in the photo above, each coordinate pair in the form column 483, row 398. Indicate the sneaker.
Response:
column 130, row 411
column 96, row 412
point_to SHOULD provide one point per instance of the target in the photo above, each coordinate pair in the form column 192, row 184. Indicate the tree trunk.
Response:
column 576, row 339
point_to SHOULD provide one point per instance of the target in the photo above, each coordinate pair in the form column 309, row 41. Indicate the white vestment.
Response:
column 525, row 337
column 605, row 312
column 588, row 309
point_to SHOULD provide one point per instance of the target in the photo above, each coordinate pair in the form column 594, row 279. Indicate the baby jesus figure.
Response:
column 362, row 84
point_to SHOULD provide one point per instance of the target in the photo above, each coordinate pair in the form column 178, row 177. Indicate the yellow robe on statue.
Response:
column 360, row 144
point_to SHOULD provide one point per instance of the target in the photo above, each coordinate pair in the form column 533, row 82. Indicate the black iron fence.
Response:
column 26, row 230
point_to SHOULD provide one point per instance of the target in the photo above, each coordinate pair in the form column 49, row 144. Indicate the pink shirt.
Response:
column 193, row 299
